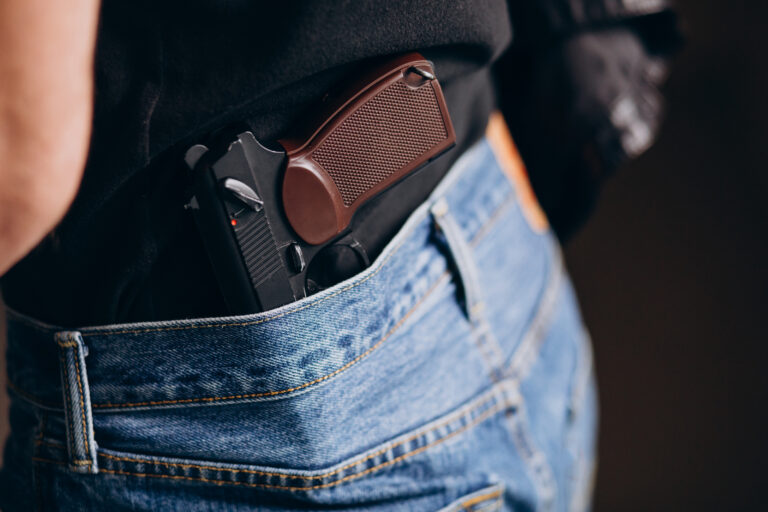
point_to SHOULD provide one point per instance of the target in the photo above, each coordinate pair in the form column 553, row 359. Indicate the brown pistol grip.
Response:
column 391, row 122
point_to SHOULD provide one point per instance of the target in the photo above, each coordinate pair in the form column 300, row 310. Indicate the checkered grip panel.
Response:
column 384, row 135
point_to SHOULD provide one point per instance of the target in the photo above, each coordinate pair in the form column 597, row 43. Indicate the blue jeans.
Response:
column 453, row 374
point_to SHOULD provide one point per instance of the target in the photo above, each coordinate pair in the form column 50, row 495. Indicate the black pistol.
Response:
column 264, row 214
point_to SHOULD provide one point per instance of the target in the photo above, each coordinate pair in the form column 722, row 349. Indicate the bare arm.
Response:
column 46, row 86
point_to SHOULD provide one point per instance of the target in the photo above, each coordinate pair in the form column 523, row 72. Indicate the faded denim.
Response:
column 453, row 374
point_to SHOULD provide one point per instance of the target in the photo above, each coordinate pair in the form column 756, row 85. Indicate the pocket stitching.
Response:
column 295, row 388
column 490, row 496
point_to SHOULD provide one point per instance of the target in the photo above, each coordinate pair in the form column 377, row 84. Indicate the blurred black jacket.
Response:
column 580, row 90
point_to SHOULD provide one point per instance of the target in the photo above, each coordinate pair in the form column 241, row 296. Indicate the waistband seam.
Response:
column 263, row 394
column 419, row 216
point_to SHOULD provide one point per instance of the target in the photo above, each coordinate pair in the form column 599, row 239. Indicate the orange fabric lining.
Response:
column 509, row 158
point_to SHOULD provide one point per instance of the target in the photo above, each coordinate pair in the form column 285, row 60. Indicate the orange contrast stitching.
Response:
column 472, row 424
column 295, row 388
column 453, row 417
column 479, row 499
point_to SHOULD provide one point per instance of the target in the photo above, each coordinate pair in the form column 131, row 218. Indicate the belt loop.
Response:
column 461, row 255
column 77, row 402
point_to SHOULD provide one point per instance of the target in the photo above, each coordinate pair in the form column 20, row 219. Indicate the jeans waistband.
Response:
column 266, row 355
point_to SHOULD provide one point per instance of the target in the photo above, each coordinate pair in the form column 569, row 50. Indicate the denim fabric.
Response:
column 453, row 374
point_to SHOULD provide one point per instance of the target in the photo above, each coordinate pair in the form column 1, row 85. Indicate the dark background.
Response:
column 672, row 273
column 672, row 276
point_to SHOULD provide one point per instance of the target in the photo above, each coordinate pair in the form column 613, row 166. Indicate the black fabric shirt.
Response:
column 168, row 72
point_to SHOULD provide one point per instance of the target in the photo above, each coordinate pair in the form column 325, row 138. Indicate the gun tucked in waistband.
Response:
column 268, row 216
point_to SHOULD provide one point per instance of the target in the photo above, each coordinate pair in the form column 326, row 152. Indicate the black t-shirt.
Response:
column 168, row 72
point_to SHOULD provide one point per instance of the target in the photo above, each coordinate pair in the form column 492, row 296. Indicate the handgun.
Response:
column 265, row 213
